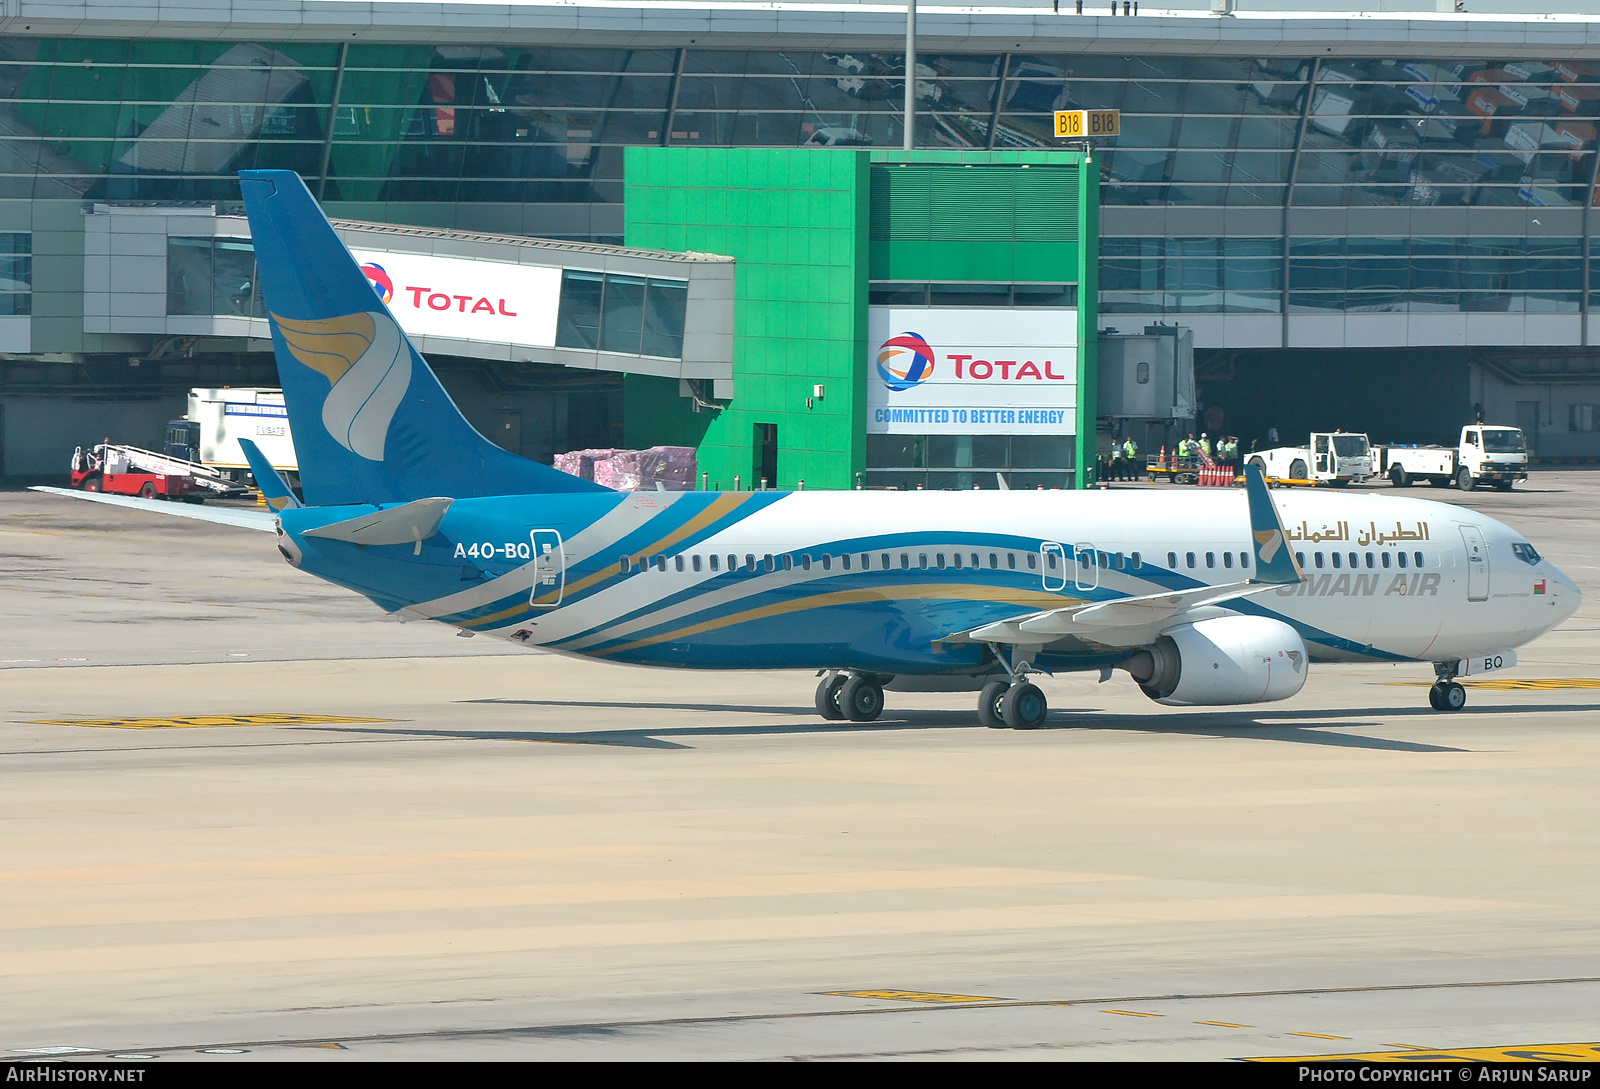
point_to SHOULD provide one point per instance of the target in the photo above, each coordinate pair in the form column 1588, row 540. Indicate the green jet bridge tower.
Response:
column 910, row 319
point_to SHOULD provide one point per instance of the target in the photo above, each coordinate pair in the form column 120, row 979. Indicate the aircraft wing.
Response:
column 226, row 516
column 1100, row 616
column 1126, row 619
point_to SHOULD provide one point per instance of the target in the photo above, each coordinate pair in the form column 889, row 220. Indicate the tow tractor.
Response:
column 128, row 470
column 1331, row 457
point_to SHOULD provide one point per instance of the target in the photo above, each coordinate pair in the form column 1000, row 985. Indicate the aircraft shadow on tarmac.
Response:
column 1304, row 727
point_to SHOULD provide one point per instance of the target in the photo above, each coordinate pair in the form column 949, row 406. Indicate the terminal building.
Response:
column 693, row 224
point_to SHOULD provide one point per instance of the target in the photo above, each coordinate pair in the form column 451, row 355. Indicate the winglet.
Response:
column 273, row 487
column 1274, row 559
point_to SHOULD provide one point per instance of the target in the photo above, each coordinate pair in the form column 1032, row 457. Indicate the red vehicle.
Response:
column 102, row 470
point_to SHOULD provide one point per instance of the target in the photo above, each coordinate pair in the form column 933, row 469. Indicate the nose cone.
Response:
column 1561, row 596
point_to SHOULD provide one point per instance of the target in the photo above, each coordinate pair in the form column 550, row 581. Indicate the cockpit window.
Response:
column 1525, row 552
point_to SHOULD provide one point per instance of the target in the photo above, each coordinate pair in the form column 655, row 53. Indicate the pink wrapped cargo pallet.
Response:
column 673, row 467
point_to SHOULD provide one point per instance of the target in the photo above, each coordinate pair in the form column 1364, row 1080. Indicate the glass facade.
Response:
column 394, row 130
column 175, row 120
column 212, row 276
column 16, row 273
column 962, row 462
column 635, row 315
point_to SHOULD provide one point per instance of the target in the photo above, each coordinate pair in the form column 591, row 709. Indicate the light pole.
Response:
column 911, row 73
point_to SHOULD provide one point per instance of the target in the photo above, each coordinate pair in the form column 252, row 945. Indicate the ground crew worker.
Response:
column 1186, row 447
column 1130, row 454
column 1205, row 444
column 1116, row 463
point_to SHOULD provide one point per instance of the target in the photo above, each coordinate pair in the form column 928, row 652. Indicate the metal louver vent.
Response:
column 974, row 204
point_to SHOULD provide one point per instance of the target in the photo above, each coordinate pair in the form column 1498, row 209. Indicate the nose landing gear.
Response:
column 1447, row 693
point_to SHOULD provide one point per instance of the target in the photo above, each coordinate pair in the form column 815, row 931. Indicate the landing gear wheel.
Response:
column 989, row 705
column 1447, row 696
column 861, row 699
column 828, row 696
column 1464, row 480
column 1399, row 477
column 1024, row 707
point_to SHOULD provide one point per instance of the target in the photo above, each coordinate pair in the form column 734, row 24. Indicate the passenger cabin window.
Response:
column 733, row 563
column 922, row 560
column 1033, row 561
column 844, row 560
column 749, row 561
column 1400, row 558
column 827, row 562
column 1417, row 556
column 713, row 561
column 1355, row 561
column 695, row 561
column 1385, row 556
column 1335, row 557
column 994, row 561
column 938, row 561
column 905, row 561
column 1189, row 556
column 1137, row 561
column 624, row 565
column 677, row 561
column 1227, row 559
column 1300, row 558
column 1011, row 561
column 1319, row 559
column 766, row 561
column 788, row 562
column 805, row 561
column 1244, row 559
column 956, row 559
column 883, row 560
column 1211, row 559
column 1172, row 560
column 1369, row 559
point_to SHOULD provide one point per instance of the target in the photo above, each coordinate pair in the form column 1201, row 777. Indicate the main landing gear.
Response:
column 1009, row 702
column 1007, row 705
column 1447, row 693
column 854, row 696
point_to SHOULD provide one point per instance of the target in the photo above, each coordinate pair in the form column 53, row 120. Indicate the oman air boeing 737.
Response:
column 1203, row 597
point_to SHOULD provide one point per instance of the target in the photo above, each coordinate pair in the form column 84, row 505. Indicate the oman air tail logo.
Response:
column 380, row 281
column 368, row 364
column 905, row 361
column 1268, row 541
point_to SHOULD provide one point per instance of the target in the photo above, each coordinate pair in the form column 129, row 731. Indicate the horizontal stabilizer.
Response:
column 225, row 516
column 409, row 523
column 274, row 489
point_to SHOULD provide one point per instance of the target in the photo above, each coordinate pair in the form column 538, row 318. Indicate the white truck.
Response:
column 218, row 418
column 1485, row 454
column 1330, row 457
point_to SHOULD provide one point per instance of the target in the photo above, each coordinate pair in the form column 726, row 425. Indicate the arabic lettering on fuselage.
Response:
column 1371, row 535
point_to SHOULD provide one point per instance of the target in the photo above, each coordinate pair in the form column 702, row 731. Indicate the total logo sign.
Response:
column 454, row 297
column 972, row 372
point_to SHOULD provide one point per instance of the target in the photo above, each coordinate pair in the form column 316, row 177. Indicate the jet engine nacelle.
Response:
column 1224, row 660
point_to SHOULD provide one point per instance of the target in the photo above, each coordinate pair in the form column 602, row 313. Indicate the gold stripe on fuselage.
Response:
column 1037, row 599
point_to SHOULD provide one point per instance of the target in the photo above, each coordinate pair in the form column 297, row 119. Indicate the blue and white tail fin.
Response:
column 1274, row 560
column 371, row 422
column 274, row 489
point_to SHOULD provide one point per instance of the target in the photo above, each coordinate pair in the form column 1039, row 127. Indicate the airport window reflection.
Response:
column 16, row 273
column 212, row 277
column 632, row 315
